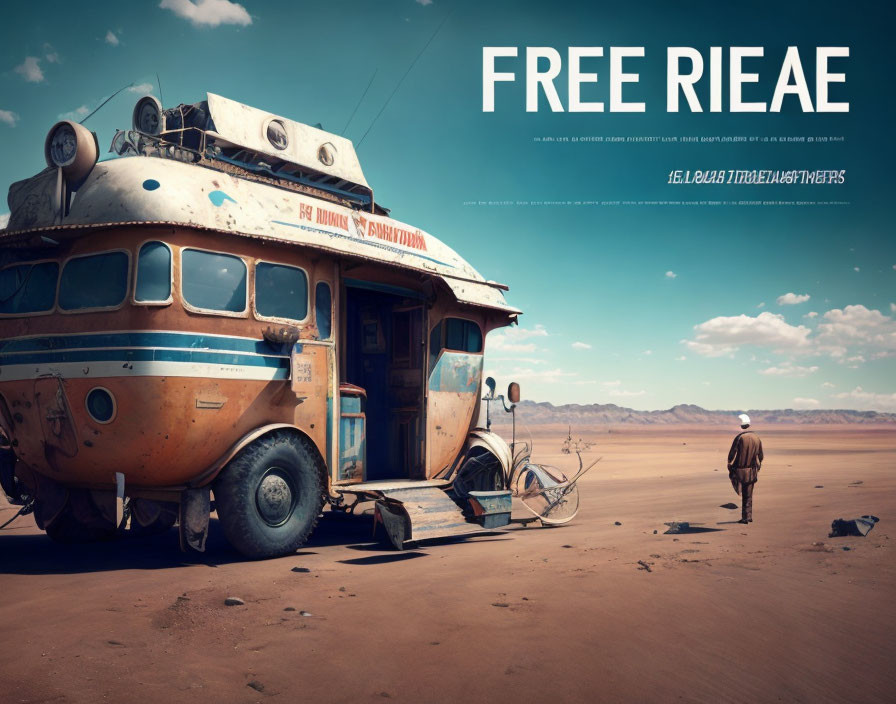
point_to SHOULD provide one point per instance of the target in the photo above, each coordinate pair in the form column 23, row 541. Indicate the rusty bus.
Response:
column 222, row 309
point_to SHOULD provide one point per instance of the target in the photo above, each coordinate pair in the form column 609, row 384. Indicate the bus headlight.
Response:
column 72, row 148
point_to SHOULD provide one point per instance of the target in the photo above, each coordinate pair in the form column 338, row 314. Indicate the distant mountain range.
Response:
column 545, row 413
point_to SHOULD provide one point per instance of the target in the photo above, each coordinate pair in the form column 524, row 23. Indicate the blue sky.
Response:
column 766, row 306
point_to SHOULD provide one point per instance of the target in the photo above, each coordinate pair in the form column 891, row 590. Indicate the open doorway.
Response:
column 383, row 349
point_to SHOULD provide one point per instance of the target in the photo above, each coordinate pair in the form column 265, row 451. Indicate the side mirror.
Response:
column 513, row 392
column 490, row 383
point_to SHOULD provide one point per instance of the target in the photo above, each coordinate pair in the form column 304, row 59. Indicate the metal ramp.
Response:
column 410, row 514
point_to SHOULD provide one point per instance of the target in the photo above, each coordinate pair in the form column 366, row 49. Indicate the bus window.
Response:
column 213, row 281
column 94, row 281
column 459, row 336
column 28, row 288
column 462, row 335
column 323, row 310
column 280, row 291
column 153, row 273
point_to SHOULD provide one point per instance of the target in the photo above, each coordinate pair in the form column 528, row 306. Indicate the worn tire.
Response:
column 270, row 495
column 80, row 521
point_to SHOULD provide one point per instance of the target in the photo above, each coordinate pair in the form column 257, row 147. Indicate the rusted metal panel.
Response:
column 179, row 379
column 430, row 514
column 491, row 508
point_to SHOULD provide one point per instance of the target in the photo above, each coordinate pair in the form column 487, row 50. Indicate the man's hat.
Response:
column 744, row 419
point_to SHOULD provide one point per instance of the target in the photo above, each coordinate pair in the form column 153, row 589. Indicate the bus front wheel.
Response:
column 270, row 495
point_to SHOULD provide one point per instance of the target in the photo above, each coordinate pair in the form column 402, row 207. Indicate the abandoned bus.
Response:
column 223, row 309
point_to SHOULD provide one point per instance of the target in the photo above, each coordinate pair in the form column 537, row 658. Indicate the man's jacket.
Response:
column 745, row 457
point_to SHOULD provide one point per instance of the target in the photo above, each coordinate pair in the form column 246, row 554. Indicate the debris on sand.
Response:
column 857, row 484
column 655, row 532
column 852, row 526
column 305, row 613
column 234, row 601
column 676, row 527
column 644, row 566
column 300, row 569
column 501, row 604
column 819, row 486
column 729, row 505
column 256, row 685
column 616, row 523
column 290, row 608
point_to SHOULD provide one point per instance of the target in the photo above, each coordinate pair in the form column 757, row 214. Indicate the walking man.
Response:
column 744, row 462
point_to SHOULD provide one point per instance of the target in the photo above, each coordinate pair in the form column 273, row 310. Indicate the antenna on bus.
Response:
column 161, row 100
column 401, row 80
column 104, row 102
column 361, row 100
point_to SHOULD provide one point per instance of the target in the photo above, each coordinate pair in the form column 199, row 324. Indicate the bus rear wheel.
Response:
column 270, row 495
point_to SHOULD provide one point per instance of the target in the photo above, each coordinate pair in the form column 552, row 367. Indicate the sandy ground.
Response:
column 774, row 611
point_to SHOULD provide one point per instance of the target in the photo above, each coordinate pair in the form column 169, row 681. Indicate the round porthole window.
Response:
column 326, row 155
column 101, row 405
column 276, row 133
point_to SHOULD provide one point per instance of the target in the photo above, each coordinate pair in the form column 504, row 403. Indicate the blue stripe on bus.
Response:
column 137, row 339
column 148, row 355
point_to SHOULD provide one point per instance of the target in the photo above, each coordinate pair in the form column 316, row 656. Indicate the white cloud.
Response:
column 512, row 339
column 671, row 275
column 112, row 39
column 681, row 359
column 581, row 346
column 51, row 55
column 789, row 370
column 857, row 326
column 761, row 305
column 622, row 393
column 4, row 220
column 723, row 336
column 648, row 352
column 827, row 385
column 209, row 13
column 811, row 314
column 855, row 268
column 893, row 307
column 30, row 70
column 792, row 299
column 8, row 117
column 424, row 2
column 75, row 114
column 800, row 402
column 516, row 360
column 142, row 88
column 612, row 383
column 868, row 400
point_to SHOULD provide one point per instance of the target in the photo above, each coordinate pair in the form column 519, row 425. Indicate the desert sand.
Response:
column 773, row 611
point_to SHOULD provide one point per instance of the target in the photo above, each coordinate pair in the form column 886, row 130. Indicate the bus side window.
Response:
column 28, row 288
column 213, row 281
column 281, row 291
column 323, row 310
column 462, row 335
column 94, row 281
column 153, row 273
